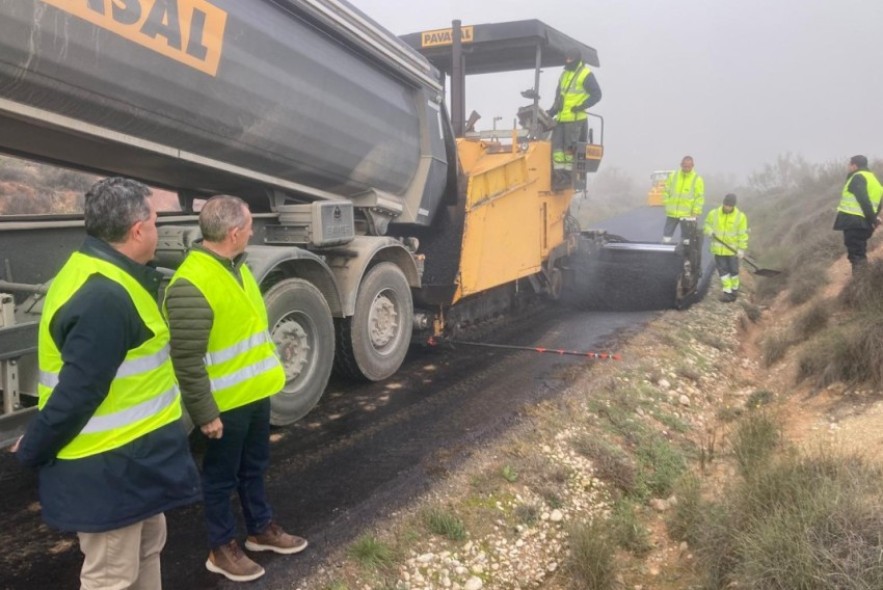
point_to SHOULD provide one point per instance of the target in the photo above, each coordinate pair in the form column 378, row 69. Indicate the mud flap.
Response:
column 611, row 273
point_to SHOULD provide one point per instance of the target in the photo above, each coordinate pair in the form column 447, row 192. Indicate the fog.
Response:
column 733, row 83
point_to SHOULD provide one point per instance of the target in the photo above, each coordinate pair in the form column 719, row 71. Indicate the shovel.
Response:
column 761, row 272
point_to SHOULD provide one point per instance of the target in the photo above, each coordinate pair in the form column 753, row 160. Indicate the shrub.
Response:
column 627, row 530
column 774, row 346
column 371, row 553
column 811, row 321
column 445, row 524
column 862, row 292
column 754, row 441
column 852, row 353
column 685, row 521
column 591, row 563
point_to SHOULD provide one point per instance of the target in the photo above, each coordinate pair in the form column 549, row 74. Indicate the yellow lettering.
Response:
column 188, row 31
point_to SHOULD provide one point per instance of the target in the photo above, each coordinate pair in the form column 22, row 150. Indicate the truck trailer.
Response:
column 378, row 217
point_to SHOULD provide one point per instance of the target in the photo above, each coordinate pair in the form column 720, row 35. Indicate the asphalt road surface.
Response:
column 364, row 452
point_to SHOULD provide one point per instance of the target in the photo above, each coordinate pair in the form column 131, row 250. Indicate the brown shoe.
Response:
column 275, row 539
column 229, row 561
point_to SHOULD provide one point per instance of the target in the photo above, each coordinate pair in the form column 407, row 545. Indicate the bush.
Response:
column 774, row 346
column 813, row 320
column 862, row 292
column 804, row 285
column 627, row 530
column 852, row 354
column 371, row 553
column 754, row 441
column 685, row 521
column 808, row 522
column 445, row 524
column 591, row 563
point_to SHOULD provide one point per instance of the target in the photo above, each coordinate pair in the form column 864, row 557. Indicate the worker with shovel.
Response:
column 728, row 227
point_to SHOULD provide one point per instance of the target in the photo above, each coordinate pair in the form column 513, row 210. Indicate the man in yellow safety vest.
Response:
column 857, row 214
column 728, row 228
column 107, row 440
column 577, row 91
column 227, row 366
column 683, row 197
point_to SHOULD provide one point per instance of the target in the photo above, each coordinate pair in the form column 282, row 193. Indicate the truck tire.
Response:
column 373, row 343
column 303, row 331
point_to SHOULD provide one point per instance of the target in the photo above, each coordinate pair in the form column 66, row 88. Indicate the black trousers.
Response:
column 671, row 223
column 856, row 242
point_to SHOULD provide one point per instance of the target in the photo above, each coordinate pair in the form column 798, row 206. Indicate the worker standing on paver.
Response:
column 578, row 90
column 683, row 197
column 728, row 228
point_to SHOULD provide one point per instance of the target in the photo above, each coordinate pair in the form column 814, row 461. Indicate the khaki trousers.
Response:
column 123, row 559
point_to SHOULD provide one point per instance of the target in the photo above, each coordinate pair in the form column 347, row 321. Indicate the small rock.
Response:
column 474, row 583
column 556, row 516
column 684, row 400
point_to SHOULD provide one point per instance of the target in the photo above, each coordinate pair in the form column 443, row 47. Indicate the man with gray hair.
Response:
column 227, row 367
column 111, row 453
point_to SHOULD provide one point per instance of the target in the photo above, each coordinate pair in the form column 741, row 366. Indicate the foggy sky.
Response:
column 735, row 83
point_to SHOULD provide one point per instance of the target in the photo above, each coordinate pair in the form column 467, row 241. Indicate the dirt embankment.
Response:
column 681, row 382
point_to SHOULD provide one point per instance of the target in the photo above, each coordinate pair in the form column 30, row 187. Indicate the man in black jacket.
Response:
column 577, row 91
column 858, row 210
column 111, row 453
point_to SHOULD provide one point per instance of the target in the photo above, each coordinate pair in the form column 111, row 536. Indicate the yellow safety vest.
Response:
column 573, row 93
column 143, row 395
column 848, row 202
column 241, row 358
column 684, row 194
column 732, row 228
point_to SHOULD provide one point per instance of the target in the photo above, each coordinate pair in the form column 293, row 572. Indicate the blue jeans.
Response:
column 238, row 461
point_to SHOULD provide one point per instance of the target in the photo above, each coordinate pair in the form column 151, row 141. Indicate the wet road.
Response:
column 365, row 451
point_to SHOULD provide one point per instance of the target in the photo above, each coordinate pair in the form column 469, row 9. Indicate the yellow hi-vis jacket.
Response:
column 684, row 195
column 849, row 204
column 241, row 359
column 731, row 227
column 143, row 395
column 571, row 86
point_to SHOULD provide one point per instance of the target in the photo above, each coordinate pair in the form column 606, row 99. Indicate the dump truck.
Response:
column 378, row 217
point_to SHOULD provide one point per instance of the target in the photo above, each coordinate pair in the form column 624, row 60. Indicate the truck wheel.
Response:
column 556, row 284
column 373, row 343
column 303, row 331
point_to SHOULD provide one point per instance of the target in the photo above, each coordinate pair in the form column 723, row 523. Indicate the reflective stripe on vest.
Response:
column 143, row 395
column 126, row 369
column 573, row 93
column 677, row 203
column 241, row 359
column 849, row 204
